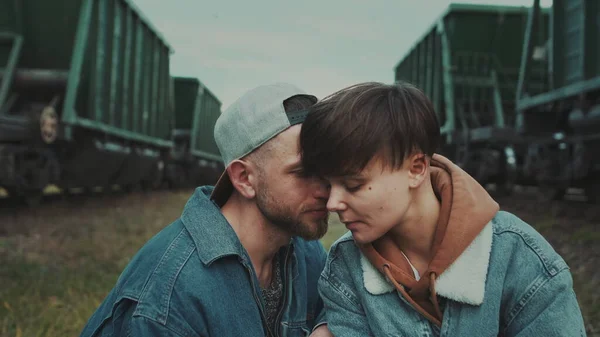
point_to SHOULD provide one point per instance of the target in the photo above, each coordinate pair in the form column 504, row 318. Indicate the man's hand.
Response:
column 321, row 331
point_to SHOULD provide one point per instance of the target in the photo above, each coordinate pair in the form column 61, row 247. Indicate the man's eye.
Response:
column 299, row 172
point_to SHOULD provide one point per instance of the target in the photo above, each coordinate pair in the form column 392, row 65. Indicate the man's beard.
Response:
column 284, row 218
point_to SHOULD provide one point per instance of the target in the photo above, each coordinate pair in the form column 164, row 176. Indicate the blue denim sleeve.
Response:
column 548, row 308
column 344, row 313
column 321, row 319
column 142, row 326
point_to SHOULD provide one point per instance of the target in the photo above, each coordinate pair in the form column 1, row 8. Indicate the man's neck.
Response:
column 416, row 234
column 261, row 239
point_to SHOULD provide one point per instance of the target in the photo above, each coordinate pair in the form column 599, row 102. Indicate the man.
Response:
column 242, row 260
column 428, row 252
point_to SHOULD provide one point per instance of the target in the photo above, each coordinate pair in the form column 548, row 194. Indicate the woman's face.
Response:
column 373, row 201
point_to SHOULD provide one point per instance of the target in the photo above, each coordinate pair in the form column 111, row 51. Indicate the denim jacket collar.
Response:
column 215, row 241
column 464, row 281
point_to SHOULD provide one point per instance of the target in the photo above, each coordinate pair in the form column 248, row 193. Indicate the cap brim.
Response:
column 223, row 189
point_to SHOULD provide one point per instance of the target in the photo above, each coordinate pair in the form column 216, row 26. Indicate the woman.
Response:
column 428, row 251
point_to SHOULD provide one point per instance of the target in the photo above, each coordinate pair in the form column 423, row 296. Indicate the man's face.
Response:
column 287, row 198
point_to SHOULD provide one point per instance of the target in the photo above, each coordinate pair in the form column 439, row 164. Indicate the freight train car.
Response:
column 87, row 100
column 562, row 124
column 194, row 158
column 85, row 96
column 203, row 145
column 468, row 63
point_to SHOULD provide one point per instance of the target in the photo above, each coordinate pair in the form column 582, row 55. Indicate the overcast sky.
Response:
column 321, row 46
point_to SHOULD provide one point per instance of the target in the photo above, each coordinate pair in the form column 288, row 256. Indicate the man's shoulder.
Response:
column 307, row 245
column 310, row 251
column 145, row 285
column 168, row 278
column 155, row 259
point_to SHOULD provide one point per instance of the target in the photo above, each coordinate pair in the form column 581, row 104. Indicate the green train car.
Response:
column 468, row 63
column 562, row 123
column 87, row 98
column 194, row 157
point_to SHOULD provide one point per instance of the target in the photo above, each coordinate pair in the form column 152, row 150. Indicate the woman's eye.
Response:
column 353, row 188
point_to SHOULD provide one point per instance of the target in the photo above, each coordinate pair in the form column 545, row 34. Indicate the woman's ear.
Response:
column 418, row 169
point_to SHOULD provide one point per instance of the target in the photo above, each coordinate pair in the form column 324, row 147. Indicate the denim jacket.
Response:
column 194, row 278
column 508, row 282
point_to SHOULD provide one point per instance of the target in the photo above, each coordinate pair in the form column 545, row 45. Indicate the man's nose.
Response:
column 321, row 189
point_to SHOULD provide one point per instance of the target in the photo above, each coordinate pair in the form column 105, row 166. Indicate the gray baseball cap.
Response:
column 251, row 121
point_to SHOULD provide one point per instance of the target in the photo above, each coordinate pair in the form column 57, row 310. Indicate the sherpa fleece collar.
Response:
column 463, row 281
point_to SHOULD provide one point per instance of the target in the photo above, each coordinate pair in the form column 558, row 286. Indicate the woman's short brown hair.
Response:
column 345, row 130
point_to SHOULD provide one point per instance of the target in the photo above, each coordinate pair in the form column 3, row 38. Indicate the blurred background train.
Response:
column 517, row 92
column 87, row 100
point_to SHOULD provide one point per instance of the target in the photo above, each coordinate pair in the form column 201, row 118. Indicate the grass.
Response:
column 335, row 231
column 58, row 262
column 42, row 301
column 586, row 235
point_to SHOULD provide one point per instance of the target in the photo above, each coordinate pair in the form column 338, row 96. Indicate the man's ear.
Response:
column 418, row 169
column 241, row 176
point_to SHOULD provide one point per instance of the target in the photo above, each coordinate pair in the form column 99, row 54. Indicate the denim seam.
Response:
column 551, row 267
column 447, row 319
column 162, row 318
column 159, row 266
column 169, row 290
column 529, row 294
column 178, row 333
column 337, row 286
